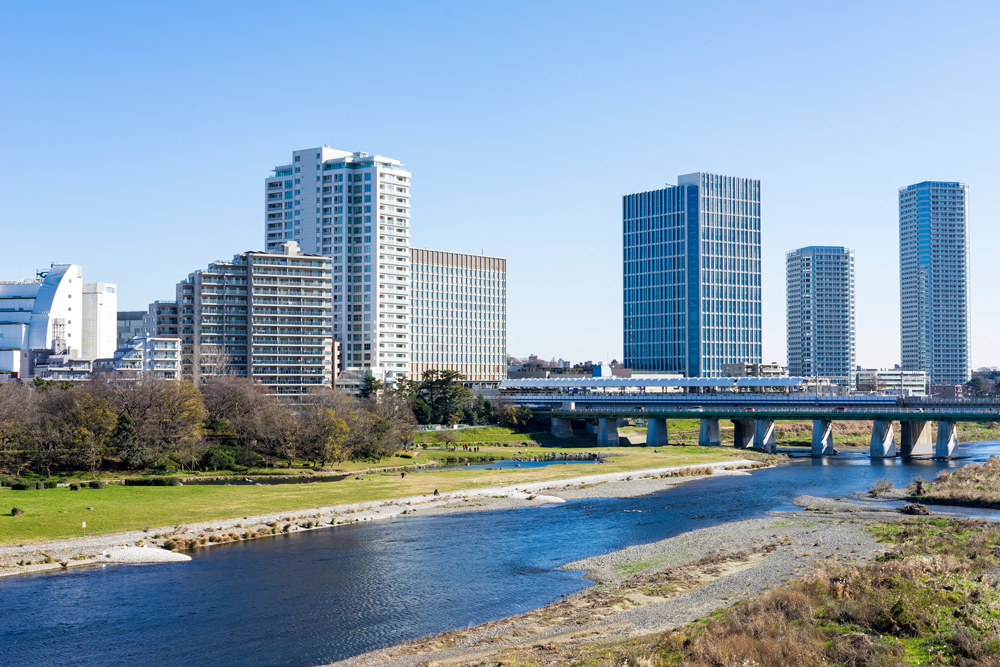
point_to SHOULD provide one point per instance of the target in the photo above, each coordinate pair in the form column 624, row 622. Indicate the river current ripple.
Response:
column 312, row 598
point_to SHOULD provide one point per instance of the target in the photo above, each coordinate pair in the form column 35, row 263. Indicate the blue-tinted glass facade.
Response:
column 691, row 268
column 934, row 280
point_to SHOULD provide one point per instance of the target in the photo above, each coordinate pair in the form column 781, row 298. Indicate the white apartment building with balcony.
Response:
column 355, row 209
column 459, row 314
column 148, row 356
column 820, row 313
column 263, row 315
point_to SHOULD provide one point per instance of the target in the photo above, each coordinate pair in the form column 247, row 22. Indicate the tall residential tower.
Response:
column 355, row 209
column 934, row 280
column 692, row 275
column 820, row 301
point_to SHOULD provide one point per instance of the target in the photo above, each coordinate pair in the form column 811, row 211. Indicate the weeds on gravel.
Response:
column 880, row 486
column 976, row 484
column 925, row 602
column 917, row 599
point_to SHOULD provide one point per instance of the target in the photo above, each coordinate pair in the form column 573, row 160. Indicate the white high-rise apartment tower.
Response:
column 934, row 280
column 820, row 302
column 355, row 209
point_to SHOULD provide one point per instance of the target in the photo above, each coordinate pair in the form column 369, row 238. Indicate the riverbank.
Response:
column 83, row 551
column 50, row 514
column 647, row 598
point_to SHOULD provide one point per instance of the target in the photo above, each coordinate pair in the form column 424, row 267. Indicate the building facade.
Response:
column 934, row 280
column 264, row 315
column 100, row 320
column 130, row 324
column 691, row 265
column 355, row 209
column 819, row 285
column 459, row 306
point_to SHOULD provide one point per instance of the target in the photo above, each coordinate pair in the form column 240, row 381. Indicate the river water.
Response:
column 310, row 598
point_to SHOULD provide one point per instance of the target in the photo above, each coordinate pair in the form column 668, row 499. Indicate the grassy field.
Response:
column 58, row 513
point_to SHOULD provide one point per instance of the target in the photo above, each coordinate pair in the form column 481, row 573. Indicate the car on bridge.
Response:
column 696, row 408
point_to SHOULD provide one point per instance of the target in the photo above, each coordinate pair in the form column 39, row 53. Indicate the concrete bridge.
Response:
column 928, row 427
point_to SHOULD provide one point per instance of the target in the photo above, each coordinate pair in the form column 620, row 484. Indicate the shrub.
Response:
column 97, row 484
column 39, row 485
column 153, row 481
column 22, row 486
column 51, row 485
column 219, row 457
column 879, row 486
column 17, row 511
column 74, row 487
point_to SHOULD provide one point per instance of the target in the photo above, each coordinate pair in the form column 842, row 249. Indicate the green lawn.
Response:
column 118, row 508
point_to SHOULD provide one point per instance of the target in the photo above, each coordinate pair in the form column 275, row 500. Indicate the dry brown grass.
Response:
column 975, row 484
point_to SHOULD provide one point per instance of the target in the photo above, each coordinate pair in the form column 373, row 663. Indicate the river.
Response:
column 310, row 598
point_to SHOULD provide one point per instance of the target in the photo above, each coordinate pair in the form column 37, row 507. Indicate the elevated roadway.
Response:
column 928, row 427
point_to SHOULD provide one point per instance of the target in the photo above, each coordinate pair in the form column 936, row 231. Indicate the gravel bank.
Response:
column 60, row 554
column 756, row 554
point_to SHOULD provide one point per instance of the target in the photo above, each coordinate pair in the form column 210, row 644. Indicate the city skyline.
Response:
column 816, row 120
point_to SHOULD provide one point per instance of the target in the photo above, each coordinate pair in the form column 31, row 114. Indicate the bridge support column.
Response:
column 764, row 438
column 656, row 433
column 883, row 446
column 743, row 433
column 708, row 436
column 562, row 428
column 947, row 440
column 916, row 439
column 607, row 432
column 822, row 442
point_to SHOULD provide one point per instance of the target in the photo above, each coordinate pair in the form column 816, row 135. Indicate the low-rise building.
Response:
column 891, row 381
column 743, row 369
column 145, row 355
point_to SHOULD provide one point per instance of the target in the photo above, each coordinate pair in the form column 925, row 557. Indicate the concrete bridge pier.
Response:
column 562, row 428
column 607, row 432
column 709, row 436
column 947, row 440
column 822, row 441
column 916, row 439
column 656, row 433
column 764, row 438
column 743, row 433
column 883, row 446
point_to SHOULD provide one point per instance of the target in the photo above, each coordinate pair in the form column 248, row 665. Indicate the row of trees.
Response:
column 140, row 423
column 441, row 398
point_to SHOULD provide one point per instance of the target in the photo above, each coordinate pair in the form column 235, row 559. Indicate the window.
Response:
column 296, row 170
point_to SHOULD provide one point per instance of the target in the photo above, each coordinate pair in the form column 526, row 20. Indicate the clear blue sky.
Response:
column 135, row 136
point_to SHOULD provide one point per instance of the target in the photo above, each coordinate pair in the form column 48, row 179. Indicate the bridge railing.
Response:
column 728, row 398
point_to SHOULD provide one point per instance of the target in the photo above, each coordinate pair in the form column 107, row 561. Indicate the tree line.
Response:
column 441, row 398
column 227, row 422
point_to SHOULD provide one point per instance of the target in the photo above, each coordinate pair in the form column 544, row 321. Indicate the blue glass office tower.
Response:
column 691, row 270
column 934, row 280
